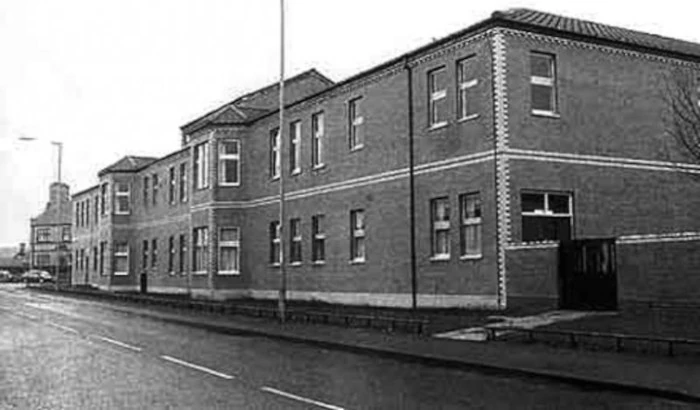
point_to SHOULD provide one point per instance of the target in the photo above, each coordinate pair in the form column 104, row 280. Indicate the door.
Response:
column 588, row 274
column 144, row 282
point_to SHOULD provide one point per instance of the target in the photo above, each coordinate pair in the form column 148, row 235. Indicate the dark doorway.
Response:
column 588, row 274
column 144, row 282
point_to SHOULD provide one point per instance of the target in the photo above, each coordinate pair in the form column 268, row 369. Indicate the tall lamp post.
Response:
column 59, row 165
column 283, row 273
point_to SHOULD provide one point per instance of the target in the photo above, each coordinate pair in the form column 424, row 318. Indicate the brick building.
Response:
column 50, row 234
column 448, row 176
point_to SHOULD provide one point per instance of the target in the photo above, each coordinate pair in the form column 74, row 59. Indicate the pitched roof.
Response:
column 129, row 163
column 598, row 31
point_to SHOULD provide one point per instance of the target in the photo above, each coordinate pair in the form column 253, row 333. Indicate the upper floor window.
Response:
column 87, row 211
column 121, row 258
column 122, row 198
column 294, row 142
column 440, row 217
column 543, row 83
column 546, row 216
column 274, row 153
column 201, row 165
column 65, row 234
column 466, row 81
column 146, row 189
column 103, row 247
column 317, row 140
column 171, row 185
column 96, row 215
column 43, row 234
column 154, row 180
column 470, row 225
column 355, row 121
column 437, row 97
column 230, row 162
column 103, row 201
column 229, row 250
column 357, row 235
column 295, row 240
column 77, row 215
column 183, row 182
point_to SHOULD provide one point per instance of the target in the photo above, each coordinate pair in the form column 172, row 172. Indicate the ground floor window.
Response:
column 470, row 225
column 229, row 250
column 546, row 216
column 200, row 249
column 183, row 252
column 42, row 259
column 440, row 217
column 318, row 237
column 295, row 240
column 275, row 250
column 357, row 235
column 121, row 258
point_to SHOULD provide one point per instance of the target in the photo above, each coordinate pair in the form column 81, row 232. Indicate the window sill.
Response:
column 121, row 273
column 200, row 273
column 468, row 118
column 357, row 262
column 470, row 257
column 319, row 167
column 122, row 213
column 438, row 126
column 275, row 265
column 357, row 148
column 295, row 264
column 440, row 258
column 318, row 263
column 230, row 184
column 276, row 178
column 228, row 273
column 547, row 114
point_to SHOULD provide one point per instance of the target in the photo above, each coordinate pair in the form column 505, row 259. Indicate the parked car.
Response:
column 6, row 276
column 36, row 276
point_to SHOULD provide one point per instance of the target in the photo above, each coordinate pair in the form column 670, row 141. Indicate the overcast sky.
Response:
column 116, row 77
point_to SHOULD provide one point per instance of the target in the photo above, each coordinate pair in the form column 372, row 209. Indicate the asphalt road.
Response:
column 63, row 353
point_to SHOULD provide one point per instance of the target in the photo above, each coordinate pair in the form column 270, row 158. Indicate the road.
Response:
column 63, row 353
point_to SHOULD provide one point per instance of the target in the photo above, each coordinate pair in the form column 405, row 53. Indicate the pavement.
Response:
column 671, row 378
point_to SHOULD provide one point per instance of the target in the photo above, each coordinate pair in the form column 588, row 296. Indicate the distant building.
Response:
column 50, row 235
column 456, row 174
column 14, row 259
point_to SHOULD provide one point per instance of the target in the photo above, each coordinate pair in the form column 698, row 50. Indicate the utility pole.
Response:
column 283, row 273
column 59, row 242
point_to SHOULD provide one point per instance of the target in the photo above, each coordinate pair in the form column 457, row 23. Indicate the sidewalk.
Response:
column 672, row 378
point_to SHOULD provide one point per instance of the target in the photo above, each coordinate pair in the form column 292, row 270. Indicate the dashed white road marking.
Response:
column 301, row 399
column 118, row 343
column 64, row 328
column 197, row 367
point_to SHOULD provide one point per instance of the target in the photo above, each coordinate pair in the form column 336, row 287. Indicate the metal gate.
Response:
column 588, row 274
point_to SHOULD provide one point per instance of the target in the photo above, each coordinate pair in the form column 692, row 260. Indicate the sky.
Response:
column 110, row 78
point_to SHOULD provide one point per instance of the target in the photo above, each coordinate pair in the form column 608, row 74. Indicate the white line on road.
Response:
column 197, row 367
column 65, row 328
column 118, row 343
column 301, row 399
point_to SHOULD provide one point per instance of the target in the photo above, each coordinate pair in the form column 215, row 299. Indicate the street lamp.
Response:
column 59, row 146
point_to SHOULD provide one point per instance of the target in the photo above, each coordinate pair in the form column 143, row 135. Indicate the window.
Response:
column 317, row 126
column 123, row 198
column 543, row 83
column 95, row 259
column 103, row 246
column 121, row 259
column 294, row 141
column 97, row 210
column 275, row 153
column 295, row 241
column 200, row 250
column 546, row 216
column 275, row 250
column 201, row 165
column 440, row 217
column 229, row 162
column 318, row 238
column 154, row 180
column 154, row 253
column 470, row 225
column 183, row 182
column 82, row 260
column 103, row 200
column 183, row 252
column 145, row 192
column 437, row 97
column 466, row 82
column 87, row 211
column 65, row 234
column 144, row 255
column 42, row 259
column 171, row 255
column 357, row 235
column 171, row 185
column 229, row 251
column 355, row 120
column 43, row 234
column 77, row 215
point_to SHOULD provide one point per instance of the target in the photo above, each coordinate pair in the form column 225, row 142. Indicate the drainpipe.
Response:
column 412, row 189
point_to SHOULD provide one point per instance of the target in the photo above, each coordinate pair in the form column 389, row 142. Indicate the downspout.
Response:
column 412, row 189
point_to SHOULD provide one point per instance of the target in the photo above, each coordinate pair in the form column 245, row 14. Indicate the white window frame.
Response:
column 295, row 147
column 183, row 191
column 171, row 255
column 471, row 222
column 547, row 211
column 317, row 133
column 356, row 138
column 118, row 255
column 203, row 247
column 234, row 244
column 103, row 201
column 43, row 234
column 275, row 242
column 172, row 185
column 439, row 226
column 201, row 163
column 295, row 239
column 358, row 234
column 465, row 88
column 155, row 182
column 225, row 159
column 318, row 236
column 435, row 96
column 274, row 154
column 546, row 82
column 122, row 193
column 182, row 254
